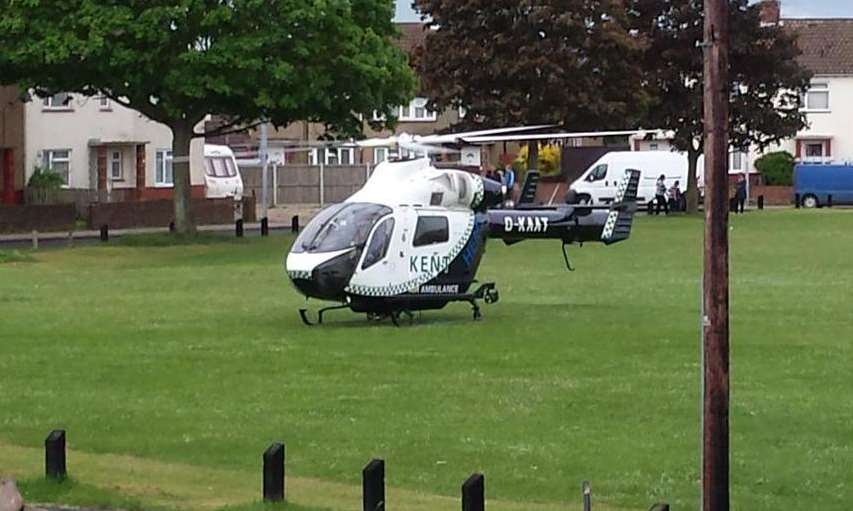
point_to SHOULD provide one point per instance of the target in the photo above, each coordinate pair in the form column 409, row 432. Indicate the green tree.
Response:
column 766, row 80
column 777, row 168
column 327, row 61
column 573, row 63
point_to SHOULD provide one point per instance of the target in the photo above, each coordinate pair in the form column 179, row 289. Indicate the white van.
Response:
column 598, row 185
column 221, row 175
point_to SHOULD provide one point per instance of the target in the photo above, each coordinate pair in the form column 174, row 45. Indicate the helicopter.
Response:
column 412, row 238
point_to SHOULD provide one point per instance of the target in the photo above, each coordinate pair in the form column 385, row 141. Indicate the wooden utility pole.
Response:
column 715, row 434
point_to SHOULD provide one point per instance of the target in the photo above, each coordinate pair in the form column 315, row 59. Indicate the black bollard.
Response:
column 274, row 472
column 105, row 233
column 760, row 202
column 238, row 228
column 265, row 226
column 171, row 226
column 54, row 455
column 373, row 485
column 294, row 224
column 797, row 200
column 586, row 490
column 474, row 493
column 829, row 201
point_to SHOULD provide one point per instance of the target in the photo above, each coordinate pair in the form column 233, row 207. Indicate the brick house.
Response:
column 827, row 51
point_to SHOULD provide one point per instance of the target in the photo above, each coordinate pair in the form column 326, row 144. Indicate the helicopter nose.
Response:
column 327, row 280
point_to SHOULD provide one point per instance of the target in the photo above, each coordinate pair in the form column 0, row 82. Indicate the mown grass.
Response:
column 194, row 356
column 15, row 256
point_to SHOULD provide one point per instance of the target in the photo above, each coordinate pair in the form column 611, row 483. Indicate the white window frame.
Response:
column 338, row 154
column 162, row 162
column 817, row 88
column 116, row 176
column 49, row 158
column 49, row 103
column 380, row 154
column 737, row 156
column 104, row 103
column 416, row 111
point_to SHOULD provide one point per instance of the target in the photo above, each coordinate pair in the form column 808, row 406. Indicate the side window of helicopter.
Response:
column 598, row 173
column 378, row 246
column 431, row 230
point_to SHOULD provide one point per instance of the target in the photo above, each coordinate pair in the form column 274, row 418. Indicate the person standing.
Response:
column 660, row 195
column 509, row 180
column 740, row 194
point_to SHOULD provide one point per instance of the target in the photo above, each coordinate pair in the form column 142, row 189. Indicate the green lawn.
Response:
column 164, row 361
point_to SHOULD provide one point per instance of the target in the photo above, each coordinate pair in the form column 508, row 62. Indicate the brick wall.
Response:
column 774, row 195
column 42, row 218
column 158, row 213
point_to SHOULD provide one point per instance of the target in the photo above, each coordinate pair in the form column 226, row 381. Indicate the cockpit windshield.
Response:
column 340, row 227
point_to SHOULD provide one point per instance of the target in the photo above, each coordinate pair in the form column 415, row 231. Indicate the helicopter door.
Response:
column 439, row 236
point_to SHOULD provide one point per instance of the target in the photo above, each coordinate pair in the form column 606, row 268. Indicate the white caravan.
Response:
column 221, row 174
column 599, row 184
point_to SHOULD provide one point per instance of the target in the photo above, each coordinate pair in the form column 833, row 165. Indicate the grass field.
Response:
column 174, row 367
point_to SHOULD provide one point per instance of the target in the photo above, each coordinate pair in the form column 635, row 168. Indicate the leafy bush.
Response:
column 549, row 159
column 777, row 168
column 45, row 179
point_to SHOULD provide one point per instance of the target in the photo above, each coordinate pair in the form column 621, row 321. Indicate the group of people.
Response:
column 506, row 177
column 678, row 202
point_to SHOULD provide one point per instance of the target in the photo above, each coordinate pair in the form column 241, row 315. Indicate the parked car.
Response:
column 221, row 175
column 816, row 184
column 598, row 185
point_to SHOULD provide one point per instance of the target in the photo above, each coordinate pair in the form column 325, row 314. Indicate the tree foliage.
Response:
column 572, row 63
column 327, row 61
column 777, row 168
column 766, row 80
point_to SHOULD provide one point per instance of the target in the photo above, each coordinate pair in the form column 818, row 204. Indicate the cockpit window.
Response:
column 598, row 173
column 340, row 227
column 378, row 247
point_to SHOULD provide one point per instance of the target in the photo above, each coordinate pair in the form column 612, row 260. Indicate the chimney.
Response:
column 770, row 12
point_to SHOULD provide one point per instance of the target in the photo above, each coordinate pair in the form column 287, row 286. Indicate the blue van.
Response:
column 816, row 183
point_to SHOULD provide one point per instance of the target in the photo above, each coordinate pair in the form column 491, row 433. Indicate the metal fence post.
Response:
column 474, row 493
column 322, row 183
column 54, row 454
column 373, row 485
column 586, row 490
column 275, row 185
column 274, row 472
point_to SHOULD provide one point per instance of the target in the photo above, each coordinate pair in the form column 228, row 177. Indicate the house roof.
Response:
column 827, row 44
column 412, row 35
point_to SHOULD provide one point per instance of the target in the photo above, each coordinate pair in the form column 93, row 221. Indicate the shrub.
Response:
column 549, row 159
column 45, row 179
column 777, row 168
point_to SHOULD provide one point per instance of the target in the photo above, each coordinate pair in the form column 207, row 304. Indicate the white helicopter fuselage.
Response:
column 396, row 235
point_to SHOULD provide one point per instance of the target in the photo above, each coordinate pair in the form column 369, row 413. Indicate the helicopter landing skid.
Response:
column 303, row 313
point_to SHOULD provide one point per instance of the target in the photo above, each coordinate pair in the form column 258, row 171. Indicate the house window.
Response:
column 737, row 161
column 380, row 154
column 816, row 99
column 59, row 161
column 61, row 101
column 653, row 147
column 416, row 111
column 104, row 103
column 333, row 156
column 163, row 175
column 116, row 173
column 815, row 152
